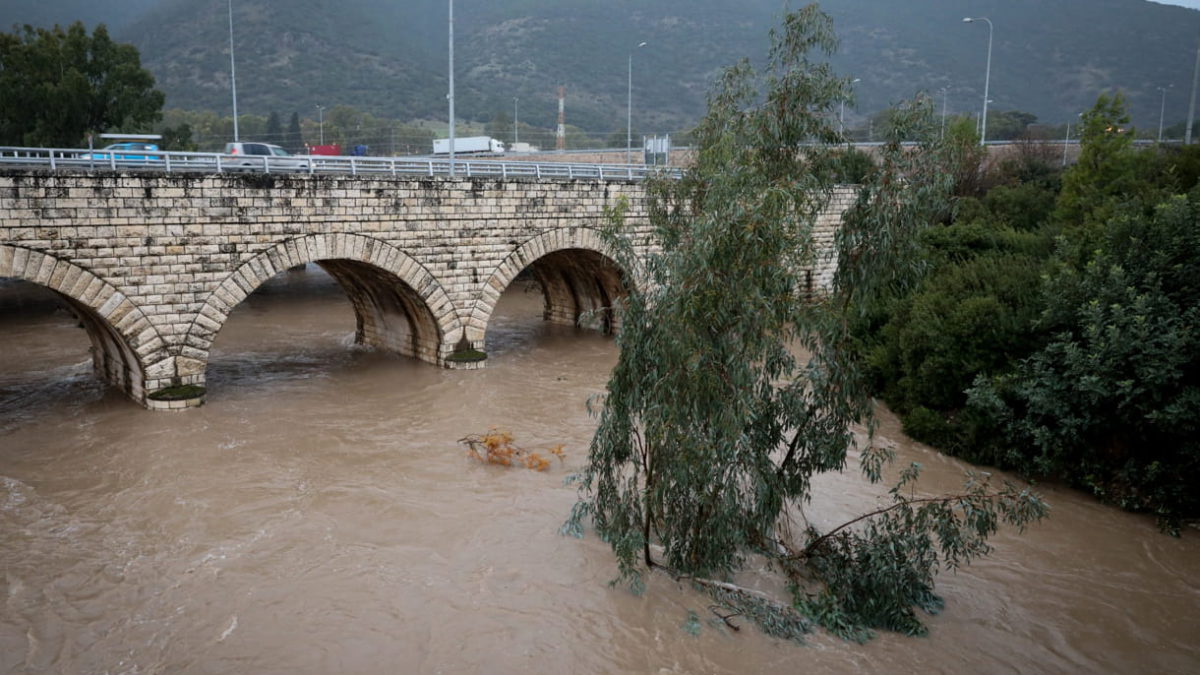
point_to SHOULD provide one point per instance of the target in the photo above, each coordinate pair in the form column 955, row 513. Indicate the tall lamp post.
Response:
column 450, row 96
column 233, row 74
column 321, row 122
column 842, row 111
column 1162, row 110
column 987, row 77
column 516, row 117
column 629, row 110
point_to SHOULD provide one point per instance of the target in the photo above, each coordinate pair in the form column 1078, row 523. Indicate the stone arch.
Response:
column 398, row 304
column 578, row 275
column 127, row 350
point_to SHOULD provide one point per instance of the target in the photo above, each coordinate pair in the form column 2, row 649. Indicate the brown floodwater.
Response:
column 318, row 516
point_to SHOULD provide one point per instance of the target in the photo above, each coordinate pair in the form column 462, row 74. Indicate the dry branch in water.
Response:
column 496, row 447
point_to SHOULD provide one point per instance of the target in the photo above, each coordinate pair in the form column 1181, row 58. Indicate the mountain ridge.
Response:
column 1050, row 57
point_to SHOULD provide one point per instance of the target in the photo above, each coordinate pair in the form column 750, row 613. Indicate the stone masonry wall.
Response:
column 154, row 263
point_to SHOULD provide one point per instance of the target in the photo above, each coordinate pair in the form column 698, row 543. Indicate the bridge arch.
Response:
column 398, row 304
column 577, row 271
column 127, row 350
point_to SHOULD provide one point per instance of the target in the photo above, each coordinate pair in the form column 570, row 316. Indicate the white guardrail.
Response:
column 56, row 159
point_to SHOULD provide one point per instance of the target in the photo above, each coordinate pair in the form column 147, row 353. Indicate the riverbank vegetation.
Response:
column 713, row 429
column 1055, row 329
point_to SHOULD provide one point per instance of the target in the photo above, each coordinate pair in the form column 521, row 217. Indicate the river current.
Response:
column 317, row 515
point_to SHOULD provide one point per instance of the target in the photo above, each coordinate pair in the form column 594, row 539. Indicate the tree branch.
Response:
column 879, row 512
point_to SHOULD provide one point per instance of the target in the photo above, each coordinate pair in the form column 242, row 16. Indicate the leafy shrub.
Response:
column 968, row 318
column 1112, row 402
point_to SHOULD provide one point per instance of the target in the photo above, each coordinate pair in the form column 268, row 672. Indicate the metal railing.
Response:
column 65, row 159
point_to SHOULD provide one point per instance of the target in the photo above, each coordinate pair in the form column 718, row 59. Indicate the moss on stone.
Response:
column 467, row 356
column 181, row 392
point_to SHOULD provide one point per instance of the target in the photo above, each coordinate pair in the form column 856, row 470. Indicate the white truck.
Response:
column 470, row 145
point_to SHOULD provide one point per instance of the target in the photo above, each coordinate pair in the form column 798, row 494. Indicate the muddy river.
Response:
column 318, row 516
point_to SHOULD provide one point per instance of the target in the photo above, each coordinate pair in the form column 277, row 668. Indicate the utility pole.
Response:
column 1187, row 133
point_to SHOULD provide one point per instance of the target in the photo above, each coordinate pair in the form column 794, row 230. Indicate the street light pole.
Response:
column 1162, row 110
column 450, row 96
column 987, row 77
column 321, row 122
column 516, row 116
column 842, row 111
column 233, row 75
column 629, row 110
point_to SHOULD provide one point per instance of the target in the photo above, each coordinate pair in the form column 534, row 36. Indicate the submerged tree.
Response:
column 731, row 392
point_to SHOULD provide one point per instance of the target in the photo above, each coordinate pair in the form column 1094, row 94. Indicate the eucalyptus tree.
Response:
column 732, row 392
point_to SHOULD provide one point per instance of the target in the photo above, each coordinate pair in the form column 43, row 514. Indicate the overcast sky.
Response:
column 1194, row 4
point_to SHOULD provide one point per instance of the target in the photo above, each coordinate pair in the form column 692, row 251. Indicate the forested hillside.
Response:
column 1051, row 57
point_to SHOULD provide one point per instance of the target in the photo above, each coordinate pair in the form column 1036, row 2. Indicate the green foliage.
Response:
column 1078, row 360
column 713, row 425
column 178, row 138
column 1107, row 175
column 853, row 166
column 294, row 141
column 500, row 127
column 972, row 317
column 179, row 392
column 274, row 127
column 1008, row 125
column 1113, row 401
column 60, row 84
column 867, row 585
column 964, row 156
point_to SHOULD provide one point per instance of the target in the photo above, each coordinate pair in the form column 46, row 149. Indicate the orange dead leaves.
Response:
column 496, row 447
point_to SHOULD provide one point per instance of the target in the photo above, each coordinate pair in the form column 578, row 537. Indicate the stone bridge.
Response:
column 153, row 264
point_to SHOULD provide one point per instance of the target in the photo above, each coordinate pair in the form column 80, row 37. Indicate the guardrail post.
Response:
column 219, row 169
column 167, row 159
column 353, row 167
column 112, row 160
column 52, row 167
column 431, row 167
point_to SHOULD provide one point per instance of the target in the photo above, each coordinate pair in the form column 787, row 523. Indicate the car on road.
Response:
column 252, row 156
column 127, row 151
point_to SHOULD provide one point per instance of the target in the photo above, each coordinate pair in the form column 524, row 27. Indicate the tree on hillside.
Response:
column 1007, row 125
column 500, row 127
column 731, row 393
column 274, row 130
column 60, row 84
column 295, row 137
